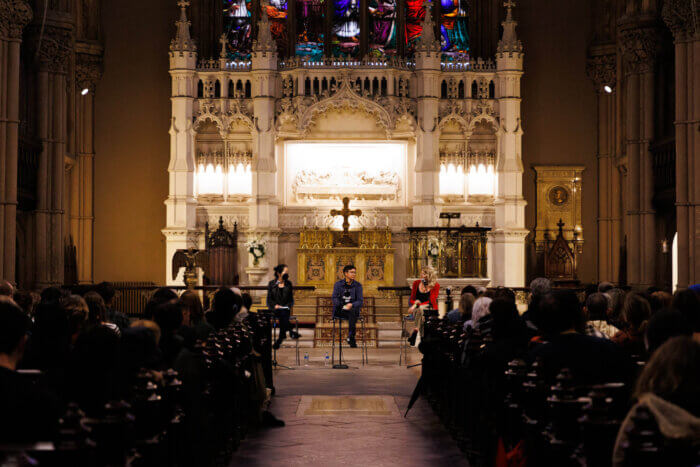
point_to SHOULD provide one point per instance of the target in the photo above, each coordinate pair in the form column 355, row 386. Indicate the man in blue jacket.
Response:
column 347, row 300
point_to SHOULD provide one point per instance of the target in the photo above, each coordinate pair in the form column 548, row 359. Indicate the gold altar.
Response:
column 321, row 257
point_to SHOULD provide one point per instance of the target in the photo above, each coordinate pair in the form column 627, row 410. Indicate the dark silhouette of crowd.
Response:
column 183, row 384
column 578, row 376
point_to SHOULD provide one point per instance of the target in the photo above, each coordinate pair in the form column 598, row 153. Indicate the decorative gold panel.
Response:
column 559, row 196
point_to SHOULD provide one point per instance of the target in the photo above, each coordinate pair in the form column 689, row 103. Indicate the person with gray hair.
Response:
column 479, row 310
column 539, row 288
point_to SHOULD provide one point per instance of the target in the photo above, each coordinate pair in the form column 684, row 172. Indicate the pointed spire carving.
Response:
column 428, row 42
column 509, row 41
column 183, row 41
column 264, row 43
column 223, row 40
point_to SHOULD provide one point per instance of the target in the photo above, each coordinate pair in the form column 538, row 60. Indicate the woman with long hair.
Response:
column 424, row 295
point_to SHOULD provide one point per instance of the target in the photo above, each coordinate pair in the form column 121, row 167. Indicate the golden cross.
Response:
column 346, row 213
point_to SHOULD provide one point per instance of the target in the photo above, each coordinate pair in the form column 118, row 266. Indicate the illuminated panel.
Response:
column 237, row 27
column 345, row 38
column 382, row 27
column 451, row 180
column 310, row 16
column 454, row 23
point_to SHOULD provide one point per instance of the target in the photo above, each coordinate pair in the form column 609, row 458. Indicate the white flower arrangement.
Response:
column 256, row 248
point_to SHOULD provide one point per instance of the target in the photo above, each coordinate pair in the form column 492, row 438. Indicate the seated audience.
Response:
column 226, row 305
column 660, row 300
column 6, row 289
column 604, row 287
column 192, row 309
column 617, row 302
column 539, row 287
column 479, row 311
column 688, row 303
column 596, row 311
column 664, row 325
column 160, row 296
column 668, row 387
column 635, row 315
column 107, row 292
column 28, row 412
column 97, row 312
column 591, row 360
column 26, row 301
column 463, row 312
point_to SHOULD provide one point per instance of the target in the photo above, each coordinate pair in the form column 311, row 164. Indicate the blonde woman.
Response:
column 424, row 294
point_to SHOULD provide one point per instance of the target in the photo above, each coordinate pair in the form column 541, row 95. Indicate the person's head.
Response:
column 428, row 276
column 636, row 312
column 480, row 309
column 148, row 324
column 664, row 325
column 77, row 311
column 349, row 272
column 540, row 286
column 504, row 292
column 107, row 292
column 605, row 286
column 469, row 289
column 6, row 289
column 687, row 302
column 560, row 311
column 673, row 372
column 168, row 317
column 466, row 305
column 25, row 300
column 224, row 307
column 160, row 296
column 97, row 312
column 505, row 316
column 51, row 295
column 660, row 300
column 280, row 271
column 247, row 300
column 192, row 311
column 14, row 325
column 617, row 301
column 597, row 307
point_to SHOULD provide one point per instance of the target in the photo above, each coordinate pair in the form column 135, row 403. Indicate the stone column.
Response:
column 181, row 207
column 54, row 51
column 639, row 42
column 601, row 70
column 88, row 73
column 427, row 86
column 263, row 219
column 683, row 22
column 508, row 236
column 14, row 15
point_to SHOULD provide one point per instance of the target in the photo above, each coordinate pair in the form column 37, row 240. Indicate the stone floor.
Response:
column 349, row 417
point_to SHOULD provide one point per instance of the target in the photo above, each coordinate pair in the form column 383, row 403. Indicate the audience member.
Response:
column 192, row 307
column 77, row 311
column 664, row 325
column 97, row 312
column 539, row 287
column 591, row 360
column 617, row 301
column 688, row 303
column 160, row 296
column 28, row 412
column 479, row 311
column 605, row 287
column 596, row 312
column 25, row 300
column 463, row 312
column 660, row 300
column 668, row 387
column 469, row 289
column 226, row 305
column 107, row 292
column 635, row 316
column 6, row 289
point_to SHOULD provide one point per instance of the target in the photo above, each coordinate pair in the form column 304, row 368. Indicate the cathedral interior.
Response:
column 190, row 146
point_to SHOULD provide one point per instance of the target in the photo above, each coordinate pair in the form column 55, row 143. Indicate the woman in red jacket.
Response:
column 424, row 294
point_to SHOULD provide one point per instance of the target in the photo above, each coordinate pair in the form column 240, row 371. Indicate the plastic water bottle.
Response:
column 327, row 360
column 306, row 358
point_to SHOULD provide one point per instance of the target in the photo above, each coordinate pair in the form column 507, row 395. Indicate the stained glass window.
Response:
column 277, row 13
column 345, row 38
column 415, row 12
column 310, row 17
column 454, row 22
column 382, row 27
column 237, row 27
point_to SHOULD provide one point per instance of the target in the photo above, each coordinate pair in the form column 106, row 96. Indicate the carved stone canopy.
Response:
column 639, row 44
column 602, row 70
column 14, row 16
column 88, row 70
column 55, row 47
column 682, row 17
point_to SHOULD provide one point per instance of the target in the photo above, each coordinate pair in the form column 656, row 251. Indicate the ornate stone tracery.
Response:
column 14, row 16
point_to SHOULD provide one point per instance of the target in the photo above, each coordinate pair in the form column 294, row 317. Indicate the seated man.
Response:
column 347, row 301
column 591, row 360
column 29, row 413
